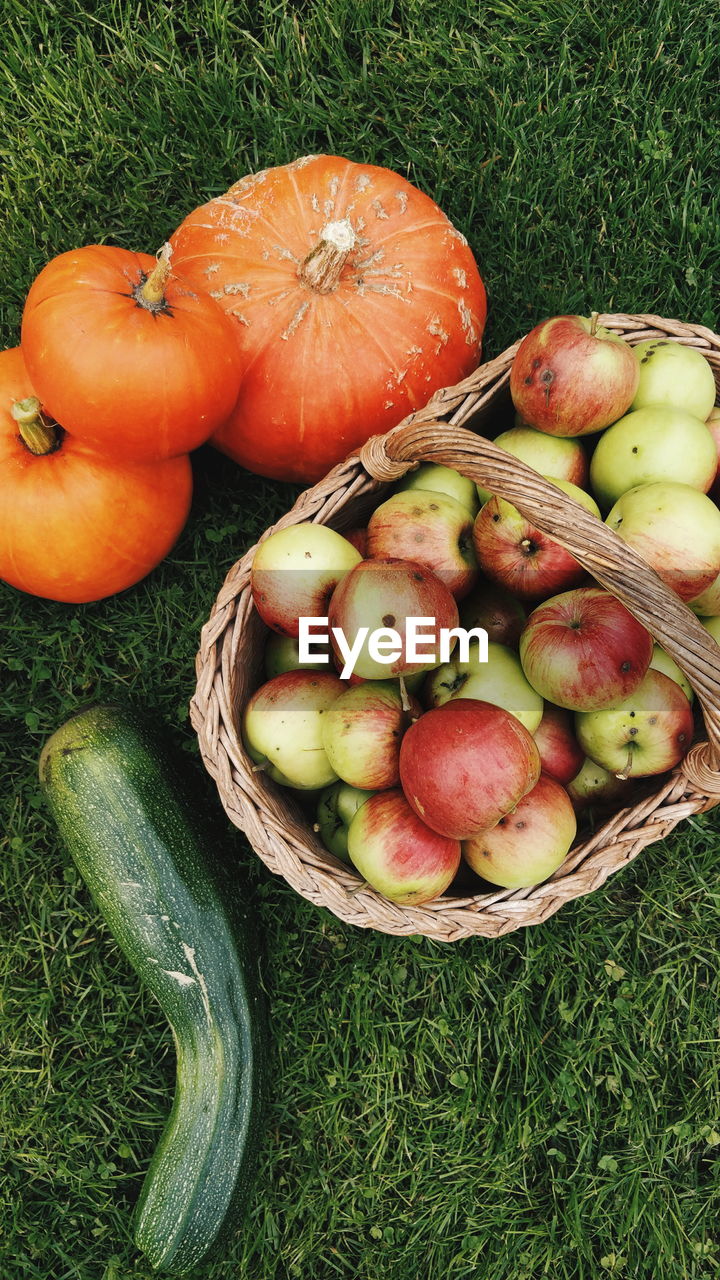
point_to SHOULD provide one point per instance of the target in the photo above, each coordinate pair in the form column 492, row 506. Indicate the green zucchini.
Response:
column 124, row 809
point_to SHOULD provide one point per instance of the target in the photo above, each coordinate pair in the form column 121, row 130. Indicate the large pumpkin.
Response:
column 128, row 356
column 355, row 296
column 77, row 526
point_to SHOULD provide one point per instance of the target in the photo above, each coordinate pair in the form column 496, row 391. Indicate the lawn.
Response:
column 543, row 1105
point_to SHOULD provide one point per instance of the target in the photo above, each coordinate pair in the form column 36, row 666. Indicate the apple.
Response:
column 712, row 625
column 661, row 661
column 384, row 594
column 397, row 853
column 521, row 558
column 466, row 764
column 494, row 609
column 676, row 530
column 561, row 457
column 282, row 728
column 529, row 844
column 362, row 732
column 500, row 681
column 648, row 732
column 655, row 443
column 673, row 374
column 428, row 528
column 337, row 806
column 595, row 788
column 282, row 654
column 707, row 604
column 295, row 571
column 560, row 753
column 358, row 538
column 571, row 376
column 712, row 422
column 584, row 650
column 438, row 479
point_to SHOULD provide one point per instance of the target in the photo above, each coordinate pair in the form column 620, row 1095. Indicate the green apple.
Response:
column 500, row 681
column 336, row 808
column 595, row 787
column 673, row 374
column 561, row 457
column 282, row 728
column 676, row 530
column 647, row 733
column 655, row 443
column 661, row 661
column 282, row 654
column 529, row 844
column 438, row 479
column 295, row 571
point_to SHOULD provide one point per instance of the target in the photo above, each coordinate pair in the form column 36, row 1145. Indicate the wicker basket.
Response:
column 229, row 664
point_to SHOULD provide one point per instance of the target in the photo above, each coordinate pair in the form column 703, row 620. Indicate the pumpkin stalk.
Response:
column 151, row 293
column 36, row 434
column 322, row 268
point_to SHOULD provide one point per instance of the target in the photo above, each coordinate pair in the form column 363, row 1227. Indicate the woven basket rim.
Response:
column 279, row 834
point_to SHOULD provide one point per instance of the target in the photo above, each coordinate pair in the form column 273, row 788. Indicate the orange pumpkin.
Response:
column 129, row 357
column 355, row 296
column 77, row 526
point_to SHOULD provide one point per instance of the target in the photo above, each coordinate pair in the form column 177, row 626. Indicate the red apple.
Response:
column 496, row 611
column 561, row 756
column 595, row 788
column 571, row 377
column 282, row 728
column 584, row 650
column 675, row 529
column 465, row 764
column 529, row 844
column 397, row 853
column 563, row 458
column 381, row 596
column 358, row 538
column 519, row 557
column 647, row 733
column 429, row 528
column 362, row 734
column 295, row 571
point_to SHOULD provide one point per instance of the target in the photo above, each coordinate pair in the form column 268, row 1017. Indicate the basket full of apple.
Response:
column 473, row 672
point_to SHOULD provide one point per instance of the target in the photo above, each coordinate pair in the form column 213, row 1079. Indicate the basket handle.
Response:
column 593, row 544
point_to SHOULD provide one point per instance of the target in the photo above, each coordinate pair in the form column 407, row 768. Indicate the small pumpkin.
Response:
column 129, row 357
column 355, row 298
column 76, row 525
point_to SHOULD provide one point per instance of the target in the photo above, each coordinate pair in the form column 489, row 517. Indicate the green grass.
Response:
column 543, row 1105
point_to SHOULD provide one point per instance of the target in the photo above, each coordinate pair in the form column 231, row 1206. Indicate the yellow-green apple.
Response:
column 560, row 753
column 529, row 844
column 282, row 654
column 429, row 528
column 661, row 661
column 282, row 728
column 673, row 374
column 465, row 764
column 337, row 806
column 561, row 457
column 712, row 422
column 397, row 854
column 500, row 680
column 438, row 479
column 712, row 625
column 676, row 530
column 497, row 612
column 370, row 615
column 584, row 650
column 362, row 732
column 571, row 377
column 596, row 788
column 647, row 733
column 655, row 443
column 295, row 571
column 516, row 555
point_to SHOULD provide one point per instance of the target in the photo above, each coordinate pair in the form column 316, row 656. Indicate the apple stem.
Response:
column 364, row 884
column 594, row 317
column 262, row 767
column 404, row 699
column 628, row 765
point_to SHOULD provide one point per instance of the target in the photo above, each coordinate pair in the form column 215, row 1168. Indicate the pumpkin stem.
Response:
column 321, row 269
column 36, row 434
column 151, row 293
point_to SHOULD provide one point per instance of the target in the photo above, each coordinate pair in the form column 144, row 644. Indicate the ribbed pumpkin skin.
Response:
column 324, row 371
column 148, row 863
